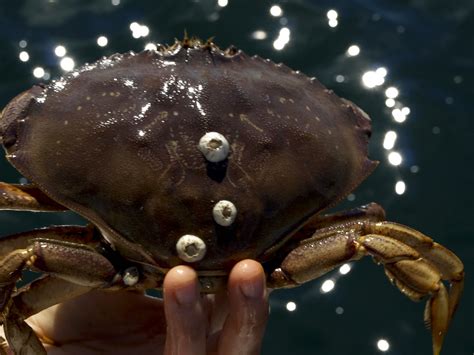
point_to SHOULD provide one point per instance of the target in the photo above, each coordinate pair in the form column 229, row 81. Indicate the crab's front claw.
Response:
column 412, row 261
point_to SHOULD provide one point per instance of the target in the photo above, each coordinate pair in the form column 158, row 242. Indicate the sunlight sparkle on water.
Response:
column 327, row 286
column 353, row 50
column 102, row 41
column 391, row 92
column 67, row 64
column 395, row 158
column 151, row 47
column 38, row 72
column 60, row 51
column 383, row 345
column 139, row 30
column 390, row 102
column 371, row 79
column 332, row 18
column 24, row 56
column 344, row 269
column 381, row 71
column 276, row 11
column 332, row 14
column 259, row 34
column 291, row 306
column 389, row 140
column 400, row 187
column 283, row 39
column 398, row 115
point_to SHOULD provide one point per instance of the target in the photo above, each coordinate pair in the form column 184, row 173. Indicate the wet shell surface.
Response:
column 125, row 142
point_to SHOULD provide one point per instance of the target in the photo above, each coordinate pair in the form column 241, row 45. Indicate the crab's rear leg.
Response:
column 72, row 254
column 412, row 261
column 42, row 293
column 26, row 198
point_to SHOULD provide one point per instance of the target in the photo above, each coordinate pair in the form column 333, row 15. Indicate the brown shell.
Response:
column 117, row 140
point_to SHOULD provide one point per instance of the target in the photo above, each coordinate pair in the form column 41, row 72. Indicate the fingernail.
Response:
column 253, row 288
column 188, row 292
column 187, row 295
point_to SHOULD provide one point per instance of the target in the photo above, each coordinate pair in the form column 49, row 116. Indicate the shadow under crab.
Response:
column 195, row 155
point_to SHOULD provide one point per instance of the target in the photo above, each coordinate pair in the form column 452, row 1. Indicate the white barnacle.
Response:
column 214, row 146
column 224, row 213
column 190, row 248
column 131, row 276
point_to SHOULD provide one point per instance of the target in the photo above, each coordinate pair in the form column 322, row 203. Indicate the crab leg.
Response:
column 26, row 198
column 77, row 262
column 83, row 235
column 58, row 252
column 73, row 234
column 370, row 212
column 33, row 298
column 412, row 261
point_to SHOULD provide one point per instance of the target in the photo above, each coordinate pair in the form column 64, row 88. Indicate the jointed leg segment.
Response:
column 413, row 262
column 73, row 269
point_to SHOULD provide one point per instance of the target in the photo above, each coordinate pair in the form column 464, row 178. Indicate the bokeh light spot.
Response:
column 24, row 56
column 400, row 187
column 60, row 51
column 327, row 286
column 276, row 11
column 383, row 345
column 395, row 158
column 353, row 50
column 38, row 72
column 344, row 269
column 389, row 140
column 67, row 64
column 291, row 306
column 102, row 41
column 391, row 92
column 259, row 34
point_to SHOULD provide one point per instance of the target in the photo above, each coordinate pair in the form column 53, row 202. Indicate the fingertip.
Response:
column 181, row 284
column 185, row 317
column 244, row 328
column 249, row 277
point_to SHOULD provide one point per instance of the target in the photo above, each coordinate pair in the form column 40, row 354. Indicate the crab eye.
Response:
column 214, row 146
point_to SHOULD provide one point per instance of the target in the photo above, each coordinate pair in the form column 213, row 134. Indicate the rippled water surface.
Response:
column 409, row 64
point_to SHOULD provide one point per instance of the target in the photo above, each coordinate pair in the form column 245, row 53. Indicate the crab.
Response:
column 194, row 155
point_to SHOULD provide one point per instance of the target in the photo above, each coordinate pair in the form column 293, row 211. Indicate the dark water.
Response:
column 427, row 50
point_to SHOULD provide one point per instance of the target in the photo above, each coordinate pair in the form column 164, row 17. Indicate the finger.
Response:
column 217, row 308
column 244, row 328
column 184, row 313
column 114, row 322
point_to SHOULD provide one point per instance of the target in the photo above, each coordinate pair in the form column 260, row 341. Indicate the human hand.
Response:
column 185, row 322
